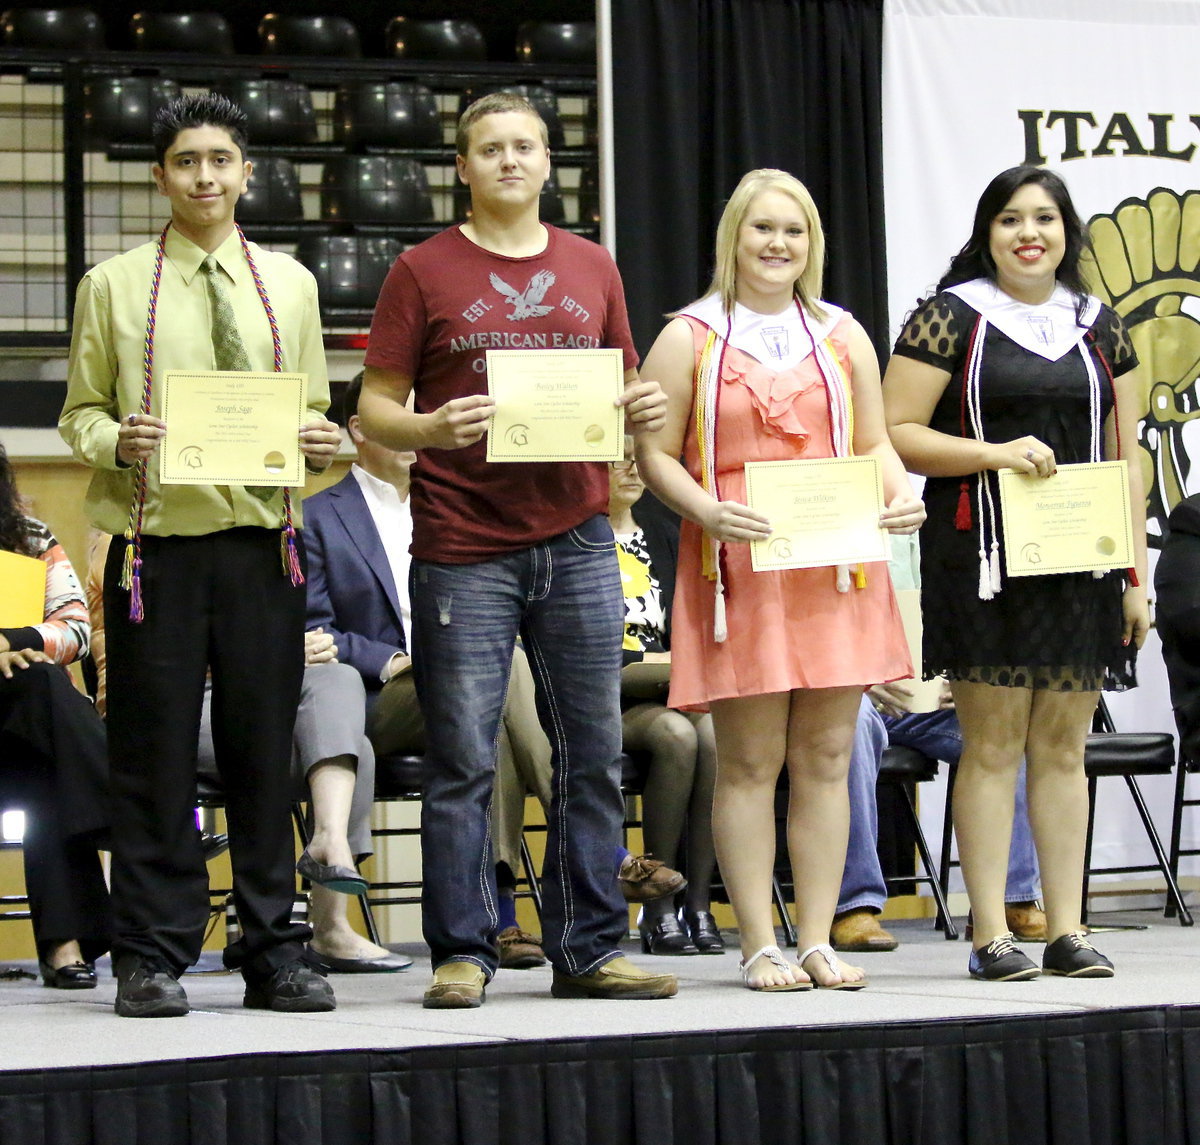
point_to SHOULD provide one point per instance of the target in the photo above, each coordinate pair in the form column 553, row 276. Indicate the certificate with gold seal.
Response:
column 232, row 427
column 1078, row 520
column 822, row 512
column 556, row 405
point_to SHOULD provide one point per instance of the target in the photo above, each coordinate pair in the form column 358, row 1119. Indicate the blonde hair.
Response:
column 495, row 103
column 807, row 288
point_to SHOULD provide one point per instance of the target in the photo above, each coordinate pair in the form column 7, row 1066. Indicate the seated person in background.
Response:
column 55, row 759
column 884, row 718
column 678, row 793
column 333, row 764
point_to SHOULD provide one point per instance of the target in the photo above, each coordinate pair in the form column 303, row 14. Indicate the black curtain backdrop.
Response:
column 705, row 90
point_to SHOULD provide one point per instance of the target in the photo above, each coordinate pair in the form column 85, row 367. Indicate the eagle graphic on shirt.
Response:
column 526, row 303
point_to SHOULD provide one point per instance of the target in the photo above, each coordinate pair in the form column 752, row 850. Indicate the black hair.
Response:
column 16, row 529
column 975, row 258
column 208, row 109
column 350, row 397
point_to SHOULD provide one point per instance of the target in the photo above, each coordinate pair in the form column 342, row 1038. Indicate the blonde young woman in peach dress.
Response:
column 780, row 658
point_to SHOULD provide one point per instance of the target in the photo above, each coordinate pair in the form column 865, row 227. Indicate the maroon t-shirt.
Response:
column 446, row 302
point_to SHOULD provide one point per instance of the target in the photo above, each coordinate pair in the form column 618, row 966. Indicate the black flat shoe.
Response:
column 704, row 931
column 73, row 976
column 664, row 935
column 343, row 879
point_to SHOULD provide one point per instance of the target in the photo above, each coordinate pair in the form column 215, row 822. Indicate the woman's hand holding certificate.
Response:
column 823, row 512
column 1077, row 520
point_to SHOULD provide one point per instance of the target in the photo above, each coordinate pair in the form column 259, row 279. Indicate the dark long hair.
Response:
column 975, row 258
column 15, row 530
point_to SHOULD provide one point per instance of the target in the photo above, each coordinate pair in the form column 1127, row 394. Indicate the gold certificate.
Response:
column 822, row 512
column 556, row 405
column 1075, row 521
column 22, row 590
column 232, row 427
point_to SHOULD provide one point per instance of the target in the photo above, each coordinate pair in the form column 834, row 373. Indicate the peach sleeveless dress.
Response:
column 789, row 629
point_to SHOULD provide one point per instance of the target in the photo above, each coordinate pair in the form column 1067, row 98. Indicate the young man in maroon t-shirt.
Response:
column 501, row 550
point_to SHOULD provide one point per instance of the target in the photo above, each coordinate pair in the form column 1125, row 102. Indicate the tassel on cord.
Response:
column 860, row 576
column 127, row 562
column 994, row 565
column 720, row 628
column 842, row 580
column 291, row 559
column 287, row 538
column 962, row 517
column 720, row 625
column 985, row 576
column 136, row 612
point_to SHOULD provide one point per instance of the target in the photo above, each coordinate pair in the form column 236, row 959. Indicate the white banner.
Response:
column 1104, row 92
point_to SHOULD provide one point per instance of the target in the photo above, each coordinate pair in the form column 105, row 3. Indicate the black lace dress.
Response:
column 1058, row 632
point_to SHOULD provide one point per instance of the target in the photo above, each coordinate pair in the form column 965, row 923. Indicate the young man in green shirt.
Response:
column 197, row 582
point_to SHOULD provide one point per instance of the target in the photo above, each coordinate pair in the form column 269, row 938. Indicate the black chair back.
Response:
column 201, row 33
column 278, row 111
column 394, row 114
column 411, row 39
column 73, row 29
column 544, row 42
column 375, row 189
column 332, row 36
column 349, row 269
column 273, row 193
column 120, row 109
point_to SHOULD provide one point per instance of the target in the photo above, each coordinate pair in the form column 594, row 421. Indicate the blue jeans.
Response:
column 563, row 596
column 937, row 735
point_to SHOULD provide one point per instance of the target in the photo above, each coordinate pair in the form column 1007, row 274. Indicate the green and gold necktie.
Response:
column 229, row 352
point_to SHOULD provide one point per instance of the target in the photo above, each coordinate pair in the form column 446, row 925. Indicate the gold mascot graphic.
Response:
column 1147, row 267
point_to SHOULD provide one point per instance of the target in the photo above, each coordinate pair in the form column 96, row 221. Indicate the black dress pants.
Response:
column 219, row 601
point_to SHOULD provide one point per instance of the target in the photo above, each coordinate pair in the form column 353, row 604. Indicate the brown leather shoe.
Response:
column 456, row 986
column 519, row 950
column 619, row 978
column 1026, row 920
column 858, row 932
column 644, row 879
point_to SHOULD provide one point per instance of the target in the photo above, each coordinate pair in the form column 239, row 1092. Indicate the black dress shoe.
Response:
column 148, row 988
column 664, row 935
column 704, row 932
column 73, row 976
column 336, row 878
column 295, row 988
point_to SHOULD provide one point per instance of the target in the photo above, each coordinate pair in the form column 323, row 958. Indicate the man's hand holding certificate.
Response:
column 822, row 512
column 556, row 405
column 1077, row 520
column 233, row 428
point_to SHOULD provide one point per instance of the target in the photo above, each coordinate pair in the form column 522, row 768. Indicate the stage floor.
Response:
column 925, row 980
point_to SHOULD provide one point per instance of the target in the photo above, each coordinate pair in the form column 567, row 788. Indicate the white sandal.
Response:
column 834, row 964
column 775, row 957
